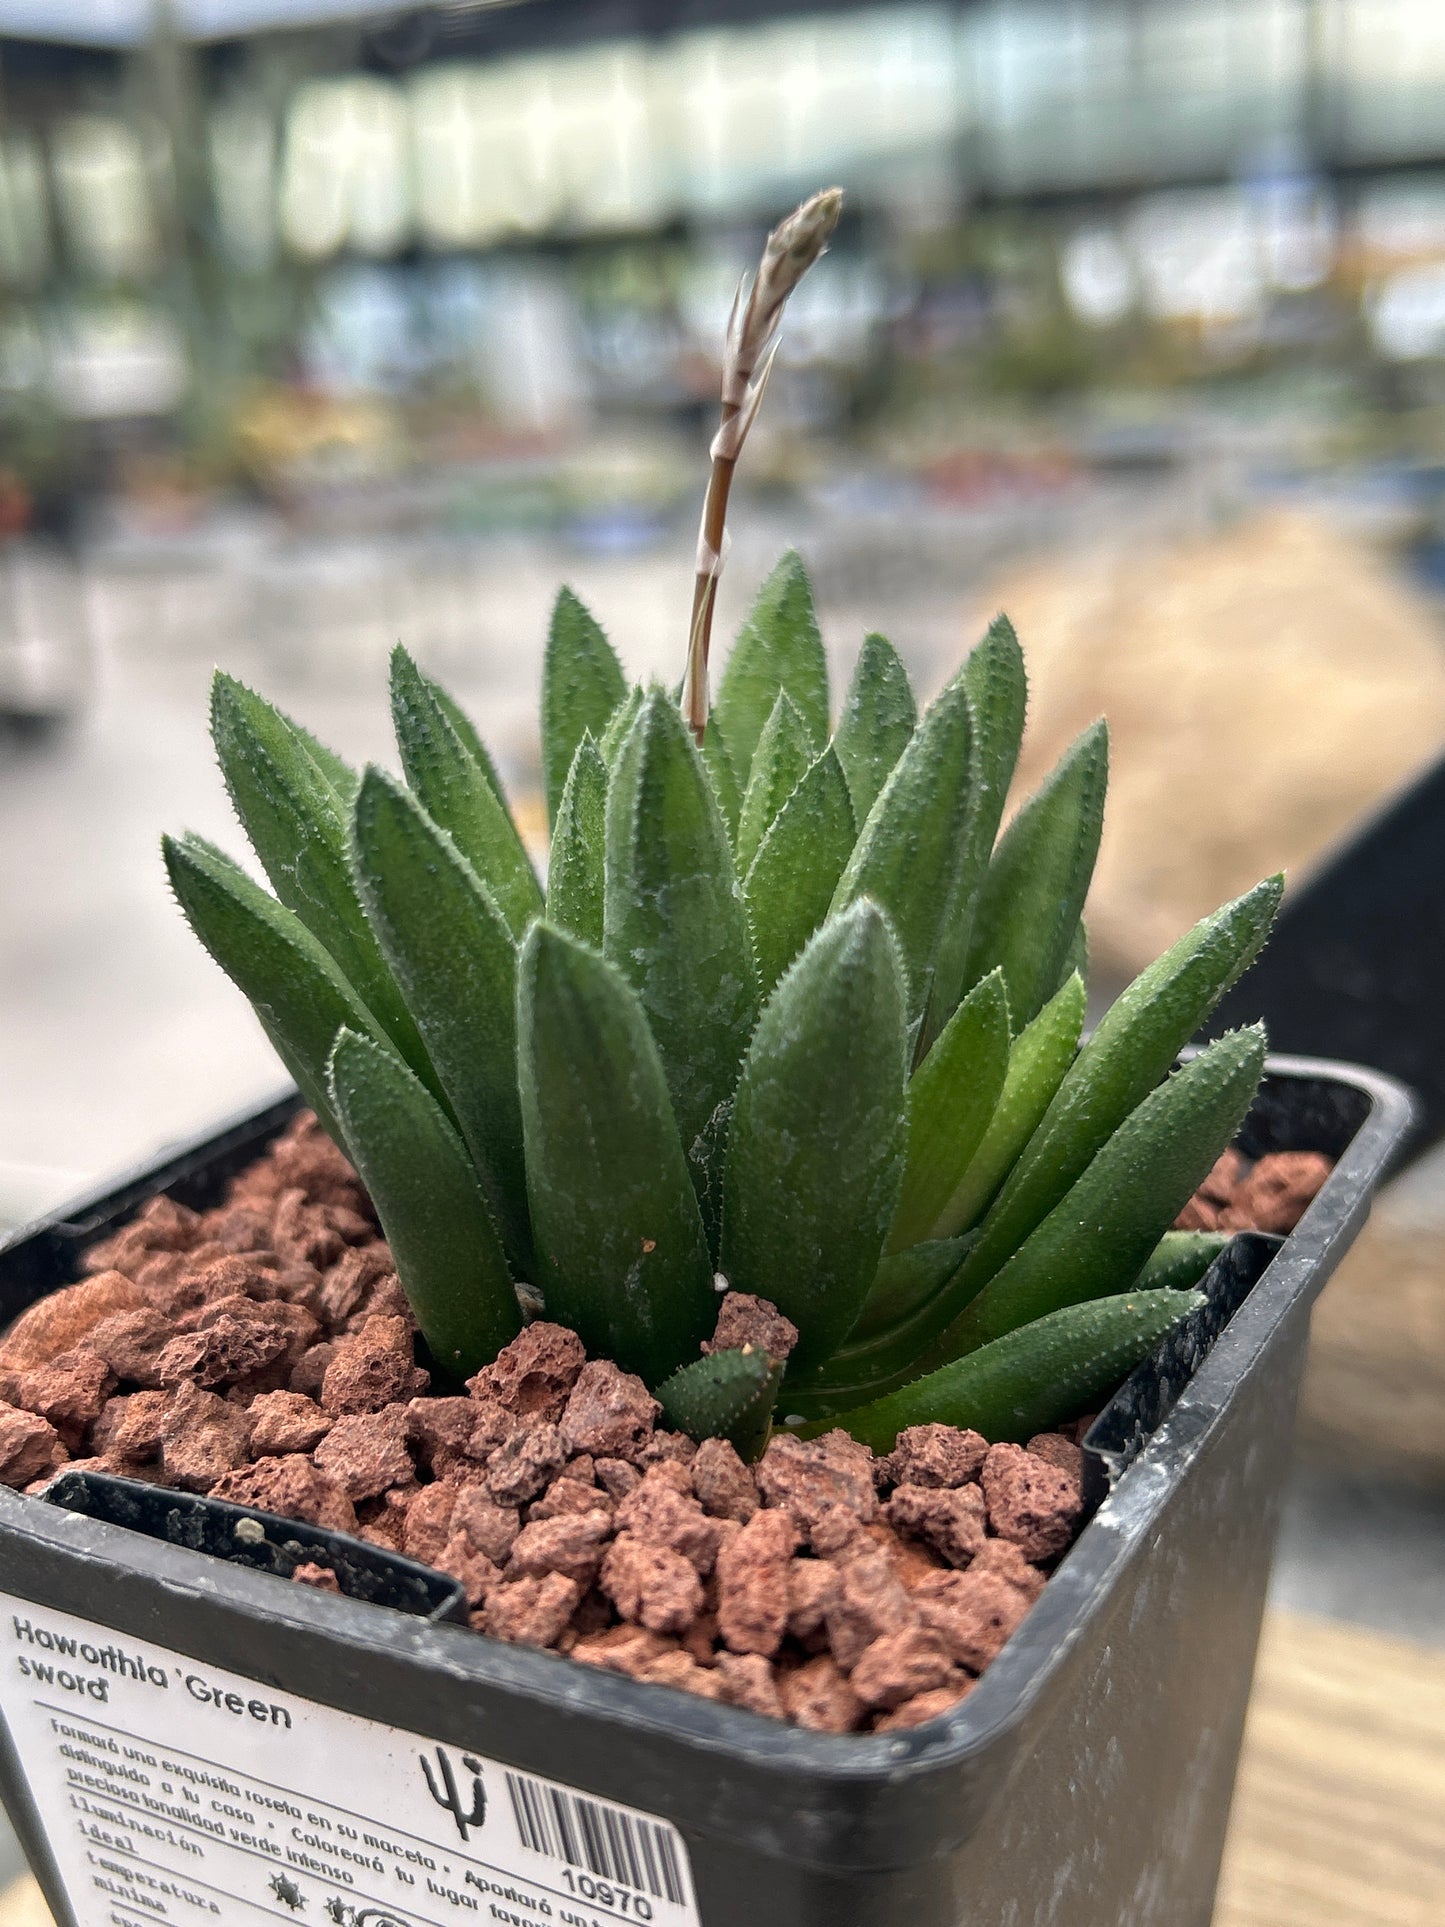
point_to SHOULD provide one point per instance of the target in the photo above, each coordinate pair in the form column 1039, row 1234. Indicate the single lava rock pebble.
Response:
column 366, row 1452
column 71, row 1392
column 292, row 1486
column 935, row 1455
column 572, row 1544
column 371, row 1370
column 131, row 1429
column 202, row 1438
column 609, row 1412
column 752, row 1583
column 286, row 1422
column 816, row 1695
column 534, row 1375
column 723, row 1484
column 744, row 1320
column 1035, row 1505
column 525, row 1464
column 651, row 1584
column 30, row 1447
column 952, row 1522
column 319, row 1578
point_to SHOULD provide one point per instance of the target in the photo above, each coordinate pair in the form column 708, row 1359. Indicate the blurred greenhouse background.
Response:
column 324, row 325
column 430, row 257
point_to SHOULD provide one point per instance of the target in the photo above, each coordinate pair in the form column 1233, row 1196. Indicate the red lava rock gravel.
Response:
column 1272, row 1194
column 263, row 1352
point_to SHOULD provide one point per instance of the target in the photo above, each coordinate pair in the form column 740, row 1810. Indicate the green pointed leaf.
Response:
column 416, row 1169
column 871, row 1364
column 582, row 684
column 1136, row 1041
column 622, row 1257
column 778, row 647
column 674, row 922
column 1038, row 1061
column 907, row 855
column 454, row 957
column 719, row 765
column 783, row 754
column 1030, row 900
column 292, row 981
column 1096, row 1239
column 815, row 1155
column 576, row 871
column 904, row 1283
column 1180, row 1259
column 620, row 727
column 339, row 774
column 468, row 734
column 727, row 1395
column 1035, row 1378
column 295, row 820
column 879, row 715
column 458, row 796
column 952, row 1098
column 705, row 1156
column 797, row 867
column 997, row 687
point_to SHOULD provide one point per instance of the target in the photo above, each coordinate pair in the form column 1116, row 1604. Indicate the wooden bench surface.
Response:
column 1339, row 1812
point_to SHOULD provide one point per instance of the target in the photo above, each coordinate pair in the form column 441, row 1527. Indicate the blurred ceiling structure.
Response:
column 1009, row 99
column 1208, row 145
column 412, row 31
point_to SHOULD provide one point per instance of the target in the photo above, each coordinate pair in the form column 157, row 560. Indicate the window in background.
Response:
column 759, row 113
column 346, row 176
column 1388, row 65
column 1399, row 258
column 1071, row 93
column 562, row 141
column 24, row 232
column 104, row 197
column 1200, row 256
column 243, row 171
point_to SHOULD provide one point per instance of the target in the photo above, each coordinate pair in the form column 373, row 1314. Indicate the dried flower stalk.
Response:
column 791, row 249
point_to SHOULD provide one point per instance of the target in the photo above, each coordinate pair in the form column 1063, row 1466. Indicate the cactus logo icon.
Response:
column 467, row 1807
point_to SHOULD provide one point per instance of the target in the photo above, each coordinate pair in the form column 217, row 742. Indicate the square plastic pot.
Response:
column 1086, row 1780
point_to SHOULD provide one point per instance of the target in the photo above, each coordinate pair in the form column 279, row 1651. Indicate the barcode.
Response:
column 600, row 1839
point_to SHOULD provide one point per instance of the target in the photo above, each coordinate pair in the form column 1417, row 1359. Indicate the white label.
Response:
column 173, row 1791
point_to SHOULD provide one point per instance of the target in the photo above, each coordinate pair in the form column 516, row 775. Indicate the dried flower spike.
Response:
column 791, row 249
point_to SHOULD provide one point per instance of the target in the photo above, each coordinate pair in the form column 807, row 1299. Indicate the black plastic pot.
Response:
column 1085, row 1781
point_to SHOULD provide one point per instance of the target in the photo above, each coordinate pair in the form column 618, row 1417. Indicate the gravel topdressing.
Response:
column 262, row 1352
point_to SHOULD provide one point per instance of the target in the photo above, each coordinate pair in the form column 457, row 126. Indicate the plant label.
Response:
column 170, row 1790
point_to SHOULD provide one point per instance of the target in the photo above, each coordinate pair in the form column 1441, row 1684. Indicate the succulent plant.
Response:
column 790, row 1017
column 790, row 1014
